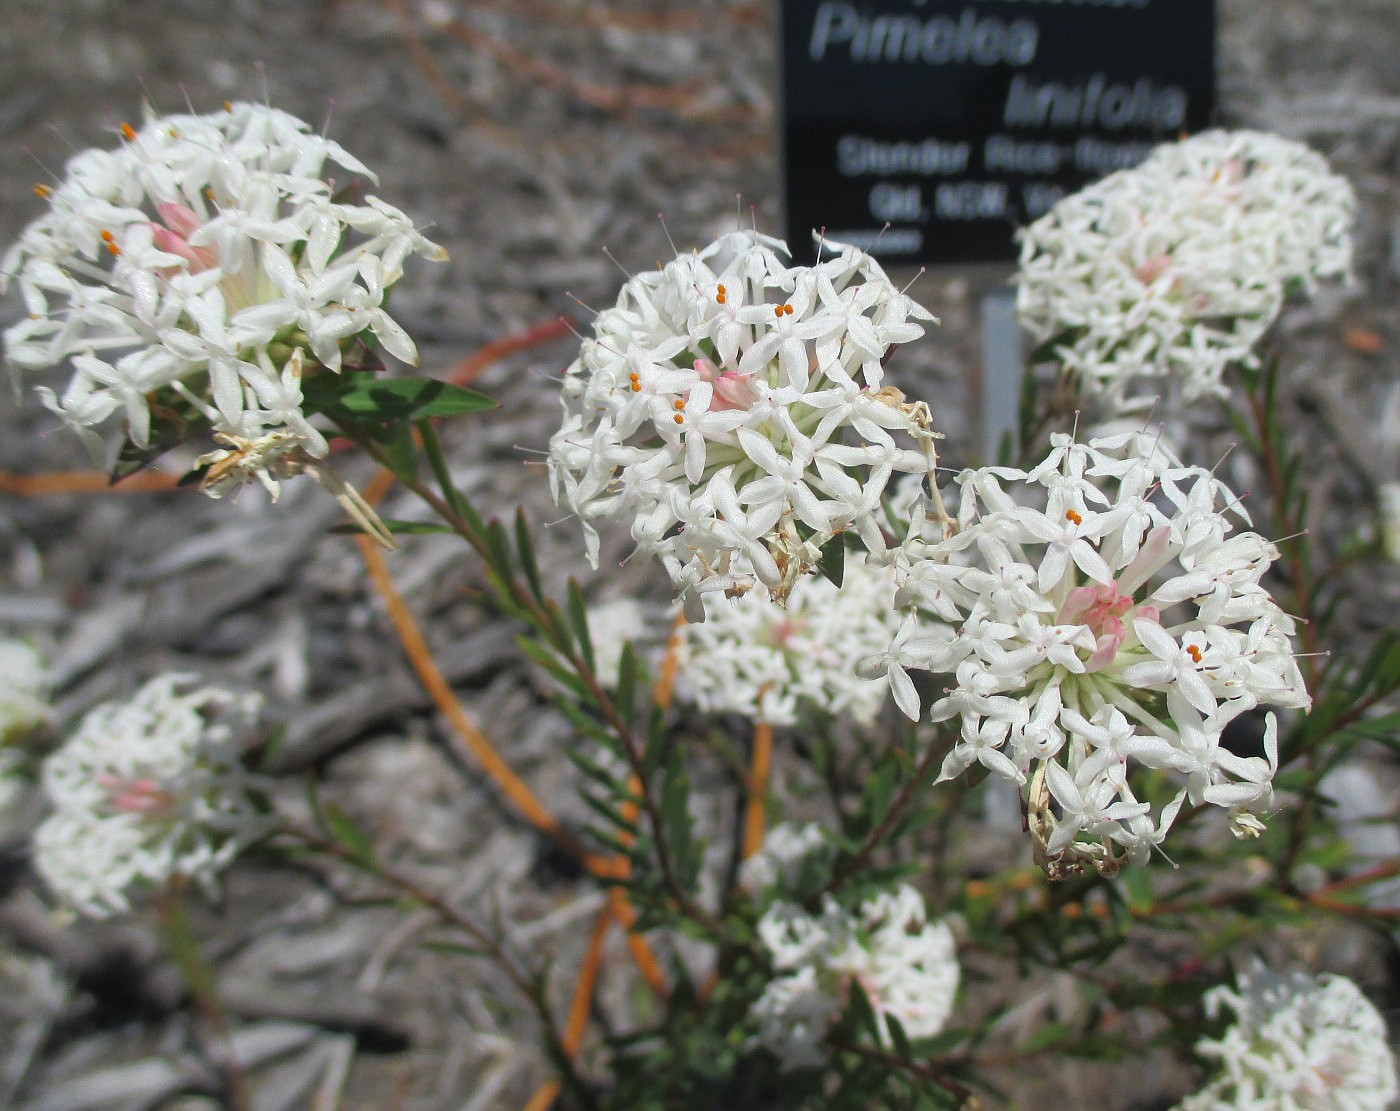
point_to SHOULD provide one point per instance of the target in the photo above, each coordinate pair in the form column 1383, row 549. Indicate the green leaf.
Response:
column 609, row 813
column 1137, row 883
column 628, row 671
column 499, row 546
column 676, row 822
column 578, row 617
column 898, row 1037
column 346, row 832
column 861, row 1012
column 1048, row 1035
column 1384, row 728
column 655, row 745
column 437, row 463
column 184, row 949
column 398, row 528
column 548, row 660
column 587, row 725
column 408, row 399
column 400, row 453
column 264, row 756
column 833, row 560
column 879, row 790
column 525, row 544
column 457, row 948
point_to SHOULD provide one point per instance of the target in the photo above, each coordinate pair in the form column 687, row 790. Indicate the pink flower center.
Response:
column 780, row 633
column 1149, row 270
column 731, row 389
column 134, row 796
column 1102, row 608
column 173, row 237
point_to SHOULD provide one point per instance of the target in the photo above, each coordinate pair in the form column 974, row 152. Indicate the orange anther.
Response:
column 678, row 419
column 636, row 386
column 787, row 310
column 1194, row 653
column 1071, row 515
column 42, row 191
column 114, row 249
column 678, row 403
column 720, row 294
column 228, row 107
column 128, row 132
column 107, row 236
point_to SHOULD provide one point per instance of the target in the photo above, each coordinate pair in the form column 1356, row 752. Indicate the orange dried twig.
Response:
column 422, row 662
column 84, row 482
column 642, row 955
column 665, row 684
column 578, row 1008
column 758, row 788
column 469, row 369
column 495, row 766
column 587, row 980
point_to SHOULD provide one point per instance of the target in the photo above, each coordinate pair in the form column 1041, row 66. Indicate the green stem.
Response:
column 918, row 778
column 916, row 1068
column 184, row 948
column 519, row 599
column 528, row 986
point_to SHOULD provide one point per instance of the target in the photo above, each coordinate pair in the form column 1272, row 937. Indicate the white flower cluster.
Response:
column 754, row 657
column 906, row 966
column 24, row 689
column 1175, row 268
column 1388, row 518
column 148, row 789
column 1115, row 622
column 207, row 256
column 621, row 621
column 24, row 706
column 1298, row 1043
column 779, row 861
column 733, row 408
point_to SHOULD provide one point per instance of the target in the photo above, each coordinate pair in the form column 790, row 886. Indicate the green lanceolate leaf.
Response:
column 408, row 399
column 578, row 618
column 628, row 672
column 676, row 822
column 525, row 545
column 400, row 453
column 833, row 560
column 437, row 463
column 546, row 658
column 398, row 528
column 347, row 833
